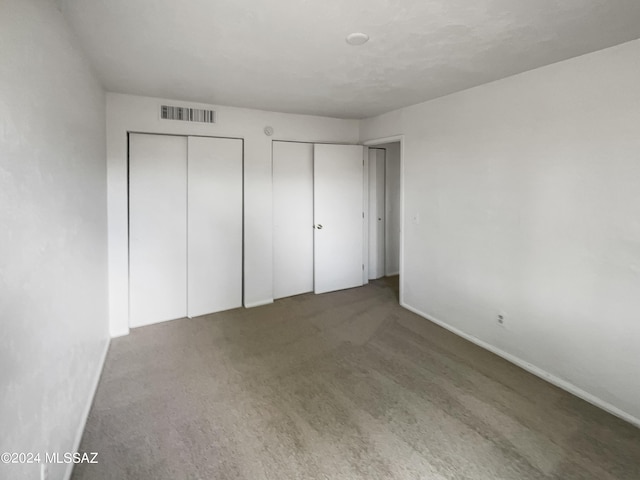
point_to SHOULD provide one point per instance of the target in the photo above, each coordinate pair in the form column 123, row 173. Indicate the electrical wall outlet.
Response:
column 501, row 320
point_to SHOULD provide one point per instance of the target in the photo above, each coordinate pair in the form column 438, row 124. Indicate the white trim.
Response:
column 380, row 141
column 259, row 303
column 402, row 224
column 120, row 333
column 87, row 408
column 392, row 274
column 538, row 372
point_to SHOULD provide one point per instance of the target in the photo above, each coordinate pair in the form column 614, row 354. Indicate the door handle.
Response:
column 319, row 227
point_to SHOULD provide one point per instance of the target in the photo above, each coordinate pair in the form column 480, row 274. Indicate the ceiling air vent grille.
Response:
column 167, row 112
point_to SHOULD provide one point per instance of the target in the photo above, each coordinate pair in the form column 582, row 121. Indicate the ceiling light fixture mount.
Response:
column 357, row 38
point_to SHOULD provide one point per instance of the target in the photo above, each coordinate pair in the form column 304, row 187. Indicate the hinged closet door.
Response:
column 214, row 225
column 292, row 218
column 338, row 216
column 157, row 228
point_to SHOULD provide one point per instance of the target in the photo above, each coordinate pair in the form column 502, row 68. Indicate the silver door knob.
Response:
column 319, row 227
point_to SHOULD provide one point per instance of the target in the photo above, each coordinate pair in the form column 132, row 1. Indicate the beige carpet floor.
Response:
column 346, row 385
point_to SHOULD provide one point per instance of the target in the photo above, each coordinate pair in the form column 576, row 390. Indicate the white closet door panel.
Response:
column 338, row 216
column 292, row 218
column 214, row 225
column 157, row 228
column 376, row 212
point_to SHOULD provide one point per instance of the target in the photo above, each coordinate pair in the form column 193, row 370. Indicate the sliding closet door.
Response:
column 157, row 228
column 292, row 218
column 214, row 225
column 338, row 217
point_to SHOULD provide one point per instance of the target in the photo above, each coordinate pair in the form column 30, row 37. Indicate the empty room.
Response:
column 303, row 239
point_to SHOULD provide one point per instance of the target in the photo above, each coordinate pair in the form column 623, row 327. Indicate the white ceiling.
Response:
column 291, row 56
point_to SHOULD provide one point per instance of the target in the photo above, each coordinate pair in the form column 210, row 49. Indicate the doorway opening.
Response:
column 385, row 211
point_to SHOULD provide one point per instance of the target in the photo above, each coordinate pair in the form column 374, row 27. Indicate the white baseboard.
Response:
column 258, row 303
column 87, row 408
column 392, row 274
column 119, row 333
column 538, row 372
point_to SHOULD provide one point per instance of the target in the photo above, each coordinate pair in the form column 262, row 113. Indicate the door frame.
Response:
column 380, row 141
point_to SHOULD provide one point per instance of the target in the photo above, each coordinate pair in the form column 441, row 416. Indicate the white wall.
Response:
column 522, row 198
column 392, row 208
column 53, row 230
column 141, row 114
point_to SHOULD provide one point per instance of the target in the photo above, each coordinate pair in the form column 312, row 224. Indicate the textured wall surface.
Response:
column 522, row 199
column 53, row 230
